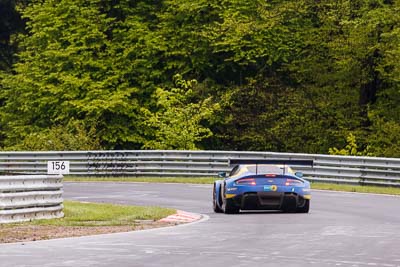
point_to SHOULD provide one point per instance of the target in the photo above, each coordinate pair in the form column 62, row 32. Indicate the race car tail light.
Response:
column 246, row 181
column 293, row 182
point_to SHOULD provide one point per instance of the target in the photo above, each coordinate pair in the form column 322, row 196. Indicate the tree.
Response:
column 179, row 122
column 351, row 149
column 296, row 76
column 268, row 106
column 10, row 24
column 350, row 65
column 74, row 136
column 71, row 65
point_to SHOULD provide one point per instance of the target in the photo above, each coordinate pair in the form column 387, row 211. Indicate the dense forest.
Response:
column 291, row 76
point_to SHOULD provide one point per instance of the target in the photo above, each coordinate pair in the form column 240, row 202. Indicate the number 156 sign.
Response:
column 58, row 167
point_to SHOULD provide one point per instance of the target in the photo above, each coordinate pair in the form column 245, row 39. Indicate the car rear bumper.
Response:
column 269, row 201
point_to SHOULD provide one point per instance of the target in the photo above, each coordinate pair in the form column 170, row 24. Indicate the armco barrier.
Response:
column 327, row 168
column 27, row 197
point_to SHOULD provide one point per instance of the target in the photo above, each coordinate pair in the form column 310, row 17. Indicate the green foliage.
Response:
column 351, row 148
column 384, row 139
column 60, row 138
column 178, row 123
column 291, row 76
column 73, row 64
column 263, row 116
column 10, row 24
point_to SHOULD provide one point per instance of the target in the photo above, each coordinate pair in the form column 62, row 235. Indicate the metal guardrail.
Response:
column 27, row 197
column 171, row 163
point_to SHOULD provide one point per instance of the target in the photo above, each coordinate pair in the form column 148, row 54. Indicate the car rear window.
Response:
column 269, row 169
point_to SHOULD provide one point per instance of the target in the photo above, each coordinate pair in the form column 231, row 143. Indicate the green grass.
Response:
column 210, row 180
column 95, row 214
column 181, row 180
column 357, row 188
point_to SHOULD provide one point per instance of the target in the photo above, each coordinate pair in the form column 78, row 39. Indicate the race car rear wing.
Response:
column 273, row 162
column 284, row 162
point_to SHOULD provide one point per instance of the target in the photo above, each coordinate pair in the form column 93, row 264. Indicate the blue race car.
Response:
column 262, row 185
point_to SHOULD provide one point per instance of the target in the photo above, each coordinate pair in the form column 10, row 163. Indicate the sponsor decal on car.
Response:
column 270, row 188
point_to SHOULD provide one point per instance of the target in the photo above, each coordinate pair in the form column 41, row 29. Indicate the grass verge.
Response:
column 181, row 180
column 357, row 188
column 86, row 219
column 210, row 180
column 96, row 214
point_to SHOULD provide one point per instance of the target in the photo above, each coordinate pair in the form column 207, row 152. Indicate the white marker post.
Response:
column 58, row 167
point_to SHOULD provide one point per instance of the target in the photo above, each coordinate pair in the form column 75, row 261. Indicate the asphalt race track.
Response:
column 342, row 229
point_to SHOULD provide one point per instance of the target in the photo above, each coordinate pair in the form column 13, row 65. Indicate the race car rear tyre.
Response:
column 305, row 208
column 289, row 205
column 229, row 207
column 216, row 208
